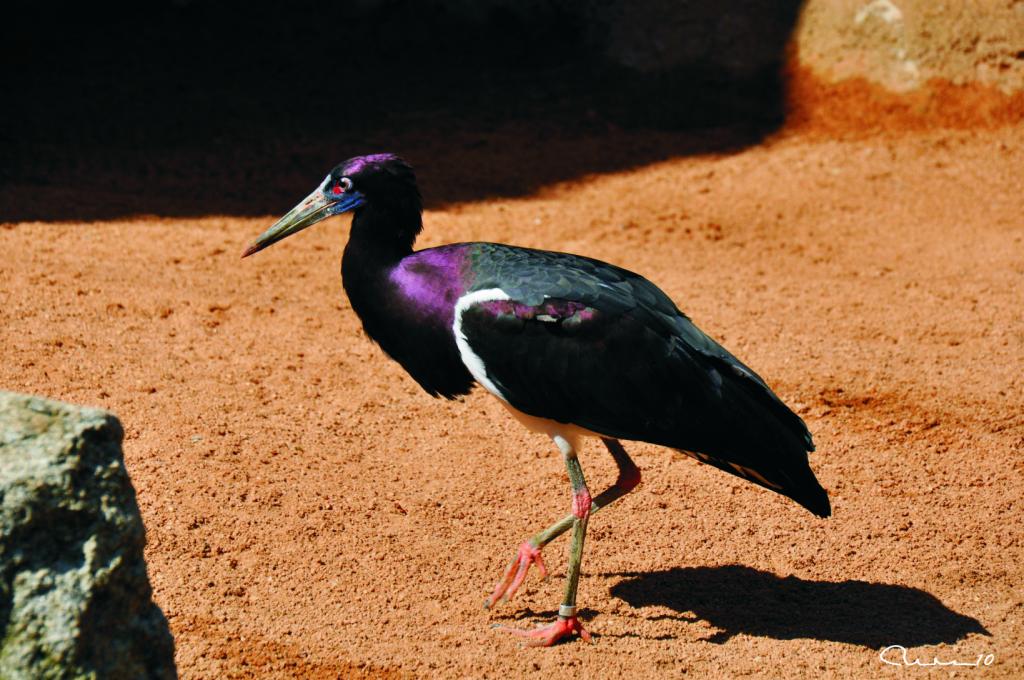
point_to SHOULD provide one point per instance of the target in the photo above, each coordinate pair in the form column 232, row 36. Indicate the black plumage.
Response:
column 572, row 345
column 623, row 361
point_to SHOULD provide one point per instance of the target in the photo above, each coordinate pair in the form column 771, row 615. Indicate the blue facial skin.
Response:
column 350, row 200
column 340, row 204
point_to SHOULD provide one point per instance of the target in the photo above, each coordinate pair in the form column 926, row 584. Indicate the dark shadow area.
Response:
column 196, row 107
column 738, row 599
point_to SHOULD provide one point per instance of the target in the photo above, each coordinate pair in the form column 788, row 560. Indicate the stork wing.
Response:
column 583, row 342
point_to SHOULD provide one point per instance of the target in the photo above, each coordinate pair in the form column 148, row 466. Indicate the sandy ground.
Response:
column 312, row 513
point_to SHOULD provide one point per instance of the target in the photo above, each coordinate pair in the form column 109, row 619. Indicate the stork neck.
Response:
column 378, row 241
column 405, row 302
column 383, row 236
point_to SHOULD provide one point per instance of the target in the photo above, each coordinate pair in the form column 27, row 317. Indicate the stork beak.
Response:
column 315, row 207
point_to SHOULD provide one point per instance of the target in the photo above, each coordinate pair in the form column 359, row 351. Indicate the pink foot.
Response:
column 515, row 573
column 546, row 636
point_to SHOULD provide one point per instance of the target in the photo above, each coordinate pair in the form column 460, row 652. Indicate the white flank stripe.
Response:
column 472, row 360
column 565, row 435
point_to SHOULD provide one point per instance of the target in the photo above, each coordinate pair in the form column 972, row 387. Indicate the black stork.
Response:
column 571, row 346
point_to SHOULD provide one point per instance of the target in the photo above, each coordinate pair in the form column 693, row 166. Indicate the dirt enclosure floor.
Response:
column 312, row 513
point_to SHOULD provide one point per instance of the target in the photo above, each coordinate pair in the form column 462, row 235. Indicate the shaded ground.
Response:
column 311, row 513
column 189, row 109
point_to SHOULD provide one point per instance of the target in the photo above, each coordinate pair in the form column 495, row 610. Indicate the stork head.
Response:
column 383, row 181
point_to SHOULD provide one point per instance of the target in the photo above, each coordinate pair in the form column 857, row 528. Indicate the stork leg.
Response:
column 568, row 622
column 529, row 551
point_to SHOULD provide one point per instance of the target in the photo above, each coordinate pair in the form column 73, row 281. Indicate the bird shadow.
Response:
column 742, row 600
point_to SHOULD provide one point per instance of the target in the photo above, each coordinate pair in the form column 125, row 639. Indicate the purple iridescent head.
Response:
column 382, row 181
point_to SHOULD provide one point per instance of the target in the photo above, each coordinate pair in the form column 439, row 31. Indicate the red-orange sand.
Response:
column 312, row 513
column 856, row 106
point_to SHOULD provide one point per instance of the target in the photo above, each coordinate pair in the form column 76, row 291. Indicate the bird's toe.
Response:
column 545, row 636
column 515, row 573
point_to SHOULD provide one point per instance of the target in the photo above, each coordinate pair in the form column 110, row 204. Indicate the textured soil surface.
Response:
column 312, row 513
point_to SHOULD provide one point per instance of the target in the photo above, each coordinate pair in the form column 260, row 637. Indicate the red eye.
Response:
column 336, row 189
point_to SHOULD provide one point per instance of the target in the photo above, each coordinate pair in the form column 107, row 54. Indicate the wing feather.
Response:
column 583, row 342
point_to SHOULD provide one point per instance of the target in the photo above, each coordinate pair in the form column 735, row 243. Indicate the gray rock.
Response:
column 75, row 599
column 903, row 44
column 729, row 39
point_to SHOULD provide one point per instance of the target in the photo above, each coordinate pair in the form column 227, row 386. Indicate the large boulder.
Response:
column 75, row 599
